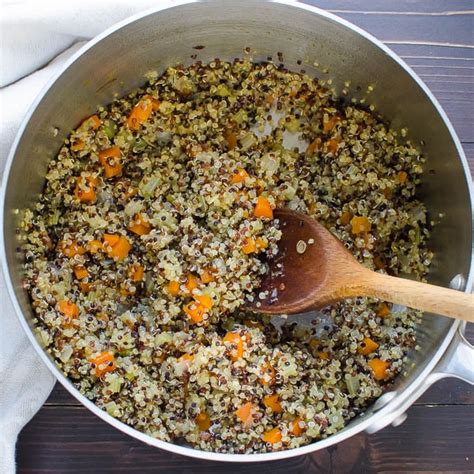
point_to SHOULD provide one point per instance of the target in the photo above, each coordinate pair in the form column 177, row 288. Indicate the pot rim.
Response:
column 347, row 432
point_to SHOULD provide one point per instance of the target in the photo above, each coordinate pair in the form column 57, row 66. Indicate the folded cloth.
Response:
column 25, row 382
column 36, row 39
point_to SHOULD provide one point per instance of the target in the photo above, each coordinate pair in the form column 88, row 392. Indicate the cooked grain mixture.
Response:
column 154, row 227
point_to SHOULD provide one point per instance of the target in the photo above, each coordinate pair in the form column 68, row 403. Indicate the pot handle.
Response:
column 457, row 361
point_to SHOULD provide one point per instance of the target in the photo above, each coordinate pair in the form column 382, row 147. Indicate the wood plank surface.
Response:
column 436, row 38
column 73, row 440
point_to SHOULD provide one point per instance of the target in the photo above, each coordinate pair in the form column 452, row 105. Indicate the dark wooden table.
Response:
column 436, row 38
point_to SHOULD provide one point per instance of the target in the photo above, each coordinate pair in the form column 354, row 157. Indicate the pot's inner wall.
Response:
column 118, row 63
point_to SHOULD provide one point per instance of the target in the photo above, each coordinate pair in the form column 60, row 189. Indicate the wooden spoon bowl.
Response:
column 313, row 269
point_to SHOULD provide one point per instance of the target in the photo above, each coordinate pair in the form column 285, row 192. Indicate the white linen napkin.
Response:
column 36, row 38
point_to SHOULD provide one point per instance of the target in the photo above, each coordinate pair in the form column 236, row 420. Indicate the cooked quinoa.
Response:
column 155, row 226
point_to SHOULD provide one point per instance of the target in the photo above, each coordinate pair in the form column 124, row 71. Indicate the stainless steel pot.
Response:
column 116, row 62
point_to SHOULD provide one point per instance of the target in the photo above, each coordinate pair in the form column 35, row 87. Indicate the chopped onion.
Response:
column 270, row 163
column 353, row 384
column 66, row 353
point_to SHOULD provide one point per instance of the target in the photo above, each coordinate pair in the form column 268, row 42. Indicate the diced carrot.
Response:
column 237, row 344
column 273, row 436
column 268, row 374
column 91, row 123
column 139, row 225
column 103, row 363
column 204, row 300
column 360, row 224
column 379, row 368
column 118, row 247
column 203, row 421
column 367, row 346
column 110, row 160
column 331, row 123
column 192, row 282
column 273, row 402
column 295, row 426
column 85, row 192
column 333, row 145
column 346, row 217
column 94, row 246
column 71, row 250
column 195, row 311
column 78, row 145
column 231, row 139
column 239, row 177
column 121, row 249
column 313, row 146
column 383, row 310
column 323, row 355
column 155, row 103
column 80, row 272
column 85, row 287
column 261, row 243
column 245, row 413
column 173, row 288
column 140, row 113
column 402, row 177
column 207, row 276
column 68, row 309
column 263, row 208
column 136, row 272
column 113, row 151
column 249, row 246
column 111, row 239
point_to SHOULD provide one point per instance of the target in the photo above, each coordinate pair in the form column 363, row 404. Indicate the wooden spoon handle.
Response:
column 430, row 298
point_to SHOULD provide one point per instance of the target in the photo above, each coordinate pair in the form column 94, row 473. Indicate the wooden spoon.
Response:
column 314, row 269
